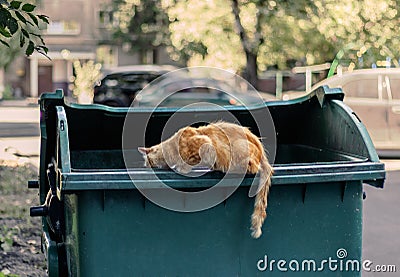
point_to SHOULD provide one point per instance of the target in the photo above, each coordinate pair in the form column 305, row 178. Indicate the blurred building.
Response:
column 78, row 29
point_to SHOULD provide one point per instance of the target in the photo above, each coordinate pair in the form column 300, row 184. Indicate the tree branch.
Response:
column 239, row 27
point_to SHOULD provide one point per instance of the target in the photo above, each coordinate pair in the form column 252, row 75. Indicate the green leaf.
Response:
column 21, row 40
column 42, row 50
column 5, row 43
column 20, row 16
column 31, row 47
column 44, row 18
column 12, row 25
column 34, row 19
column 28, row 7
column 15, row 4
column 4, row 32
column 25, row 33
column 45, row 49
column 4, row 16
column 39, row 37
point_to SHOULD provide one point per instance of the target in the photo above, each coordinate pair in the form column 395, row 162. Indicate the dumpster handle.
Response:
column 324, row 93
column 63, row 141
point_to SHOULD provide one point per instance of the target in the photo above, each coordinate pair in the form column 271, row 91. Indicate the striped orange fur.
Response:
column 222, row 146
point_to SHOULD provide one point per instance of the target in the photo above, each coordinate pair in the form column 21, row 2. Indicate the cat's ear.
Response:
column 144, row 150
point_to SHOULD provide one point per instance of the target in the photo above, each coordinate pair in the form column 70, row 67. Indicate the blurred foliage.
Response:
column 277, row 32
column 6, row 94
column 367, row 31
column 142, row 24
column 202, row 33
column 10, row 52
column 87, row 74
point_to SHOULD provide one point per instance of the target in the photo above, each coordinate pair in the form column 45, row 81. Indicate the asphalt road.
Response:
column 22, row 121
column 381, row 225
column 8, row 130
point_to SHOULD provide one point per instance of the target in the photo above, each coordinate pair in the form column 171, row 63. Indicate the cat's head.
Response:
column 153, row 156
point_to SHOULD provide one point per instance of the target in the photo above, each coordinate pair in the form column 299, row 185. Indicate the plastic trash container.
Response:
column 97, row 223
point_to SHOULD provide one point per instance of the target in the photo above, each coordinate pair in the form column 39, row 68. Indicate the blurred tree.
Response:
column 9, row 52
column 243, row 35
column 249, row 36
column 143, row 24
column 250, row 40
column 277, row 32
column 87, row 74
column 202, row 33
column 366, row 31
column 289, row 36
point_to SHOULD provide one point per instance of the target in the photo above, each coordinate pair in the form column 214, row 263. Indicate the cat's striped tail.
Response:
column 261, row 200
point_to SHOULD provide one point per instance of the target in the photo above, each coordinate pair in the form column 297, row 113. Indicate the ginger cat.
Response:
column 222, row 146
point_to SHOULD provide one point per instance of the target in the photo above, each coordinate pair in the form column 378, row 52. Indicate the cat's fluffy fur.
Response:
column 222, row 146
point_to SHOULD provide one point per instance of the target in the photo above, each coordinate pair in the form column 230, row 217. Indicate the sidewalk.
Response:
column 26, row 102
column 19, row 111
column 19, row 150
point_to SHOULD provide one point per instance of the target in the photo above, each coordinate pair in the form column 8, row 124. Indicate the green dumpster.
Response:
column 97, row 223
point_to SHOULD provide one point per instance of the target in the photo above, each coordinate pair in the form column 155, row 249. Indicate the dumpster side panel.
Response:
column 333, row 126
column 314, row 223
column 120, row 233
column 72, row 233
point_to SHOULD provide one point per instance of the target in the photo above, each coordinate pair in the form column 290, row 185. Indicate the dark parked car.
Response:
column 181, row 90
column 120, row 85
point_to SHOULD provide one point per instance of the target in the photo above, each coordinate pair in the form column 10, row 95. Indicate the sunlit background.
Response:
column 283, row 48
column 256, row 39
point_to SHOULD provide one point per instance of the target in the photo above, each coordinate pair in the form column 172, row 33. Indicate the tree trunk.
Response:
column 85, row 98
column 250, row 73
column 251, row 69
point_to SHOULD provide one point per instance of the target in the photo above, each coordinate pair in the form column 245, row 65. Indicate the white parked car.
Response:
column 374, row 95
